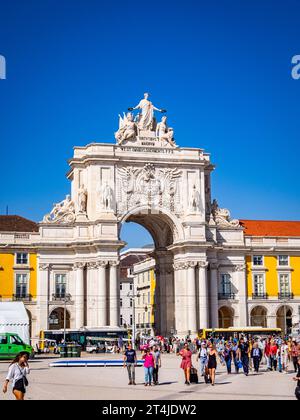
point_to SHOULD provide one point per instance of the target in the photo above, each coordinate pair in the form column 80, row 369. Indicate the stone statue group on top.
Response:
column 144, row 124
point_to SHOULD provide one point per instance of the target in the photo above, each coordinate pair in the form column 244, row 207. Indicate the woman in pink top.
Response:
column 149, row 365
column 186, row 363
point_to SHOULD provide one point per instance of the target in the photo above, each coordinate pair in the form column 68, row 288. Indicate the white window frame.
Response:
column 21, row 264
column 66, row 277
column 263, row 261
column 221, row 291
column 285, row 265
column 26, row 273
column 53, row 280
column 279, row 283
column 264, row 281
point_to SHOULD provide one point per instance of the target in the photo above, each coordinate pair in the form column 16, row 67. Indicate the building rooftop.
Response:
column 271, row 228
column 17, row 224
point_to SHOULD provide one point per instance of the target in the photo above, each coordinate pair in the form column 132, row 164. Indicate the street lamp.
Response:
column 133, row 296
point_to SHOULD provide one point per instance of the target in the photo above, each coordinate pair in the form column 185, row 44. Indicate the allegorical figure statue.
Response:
column 63, row 212
column 127, row 128
column 82, row 195
column 195, row 200
column 147, row 113
column 163, row 132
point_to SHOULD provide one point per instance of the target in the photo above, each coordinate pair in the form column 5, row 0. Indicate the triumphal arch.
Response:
column 146, row 178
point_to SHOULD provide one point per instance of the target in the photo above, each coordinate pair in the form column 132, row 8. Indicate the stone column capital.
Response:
column 44, row 267
column 179, row 265
column 191, row 264
column 79, row 266
column 91, row 265
column 202, row 264
column 114, row 263
column 214, row 266
column 101, row 264
column 240, row 267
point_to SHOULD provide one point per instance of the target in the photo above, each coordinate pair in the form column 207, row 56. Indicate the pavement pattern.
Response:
column 111, row 383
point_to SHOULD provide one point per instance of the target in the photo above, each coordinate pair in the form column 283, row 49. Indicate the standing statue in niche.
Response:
column 146, row 118
column 195, row 200
column 106, row 197
column 82, row 199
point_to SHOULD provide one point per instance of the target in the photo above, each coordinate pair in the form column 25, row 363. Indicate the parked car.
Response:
column 95, row 347
column 11, row 345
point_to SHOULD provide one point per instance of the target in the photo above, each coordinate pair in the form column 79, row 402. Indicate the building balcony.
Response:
column 22, row 297
column 61, row 297
column 226, row 296
column 284, row 296
column 259, row 296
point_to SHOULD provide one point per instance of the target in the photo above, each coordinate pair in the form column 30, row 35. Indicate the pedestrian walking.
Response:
column 297, row 378
column 17, row 372
column 130, row 361
column 227, row 354
column 235, row 355
column 256, row 356
column 273, row 356
column 186, row 363
column 295, row 354
column 157, row 358
column 267, row 353
column 243, row 355
column 212, row 363
column 202, row 356
column 149, row 365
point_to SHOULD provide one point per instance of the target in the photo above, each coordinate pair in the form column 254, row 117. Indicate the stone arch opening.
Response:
column 30, row 322
column 57, row 317
column 226, row 317
column 164, row 231
column 284, row 319
column 259, row 317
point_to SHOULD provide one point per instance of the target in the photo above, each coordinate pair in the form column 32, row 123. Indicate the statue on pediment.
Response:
column 127, row 128
column 222, row 216
column 165, row 133
column 146, row 118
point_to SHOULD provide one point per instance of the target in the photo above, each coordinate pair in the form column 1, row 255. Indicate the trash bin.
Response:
column 74, row 351
column 69, row 351
column 78, row 351
column 63, row 351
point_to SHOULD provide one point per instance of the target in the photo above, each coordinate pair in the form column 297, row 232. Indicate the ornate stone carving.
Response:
column 79, row 266
column 148, row 186
column 62, row 213
column 203, row 264
column 92, row 265
column 222, row 216
column 44, row 267
column 180, row 265
column 240, row 267
column 191, row 264
column 114, row 263
column 101, row 264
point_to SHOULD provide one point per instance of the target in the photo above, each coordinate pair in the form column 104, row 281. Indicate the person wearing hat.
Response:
column 203, row 357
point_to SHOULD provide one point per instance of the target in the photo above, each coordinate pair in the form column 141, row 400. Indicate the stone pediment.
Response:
column 148, row 139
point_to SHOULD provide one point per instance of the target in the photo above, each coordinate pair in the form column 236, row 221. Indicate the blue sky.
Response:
column 221, row 68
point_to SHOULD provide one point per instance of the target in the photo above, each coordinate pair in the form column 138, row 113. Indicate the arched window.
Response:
column 226, row 316
column 259, row 317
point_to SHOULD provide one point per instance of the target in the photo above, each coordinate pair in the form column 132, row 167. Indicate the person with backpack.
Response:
column 17, row 372
column 243, row 355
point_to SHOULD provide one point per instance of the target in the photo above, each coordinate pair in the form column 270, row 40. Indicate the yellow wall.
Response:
column 271, row 275
column 152, row 294
column 7, row 275
column 295, row 264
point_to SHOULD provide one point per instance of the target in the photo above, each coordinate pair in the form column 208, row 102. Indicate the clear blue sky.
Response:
column 221, row 68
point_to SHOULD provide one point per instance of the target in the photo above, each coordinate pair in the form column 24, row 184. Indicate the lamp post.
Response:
column 133, row 295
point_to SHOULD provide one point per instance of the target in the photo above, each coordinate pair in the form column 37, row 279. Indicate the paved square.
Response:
column 100, row 383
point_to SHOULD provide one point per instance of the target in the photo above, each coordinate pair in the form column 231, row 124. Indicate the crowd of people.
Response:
column 243, row 354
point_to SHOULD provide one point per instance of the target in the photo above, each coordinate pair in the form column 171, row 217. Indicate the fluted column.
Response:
column 214, row 295
column 43, row 296
column 92, row 295
column 102, row 294
column 191, row 298
column 180, row 299
column 203, row 295
column 241, row 283
column 113, row 294
column 79, row 298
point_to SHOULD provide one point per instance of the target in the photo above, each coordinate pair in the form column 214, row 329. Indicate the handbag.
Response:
column 25, row 380
column 239, row 364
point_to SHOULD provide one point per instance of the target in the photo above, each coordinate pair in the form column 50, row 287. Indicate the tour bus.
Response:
column 83, row 335
column 236, row 332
